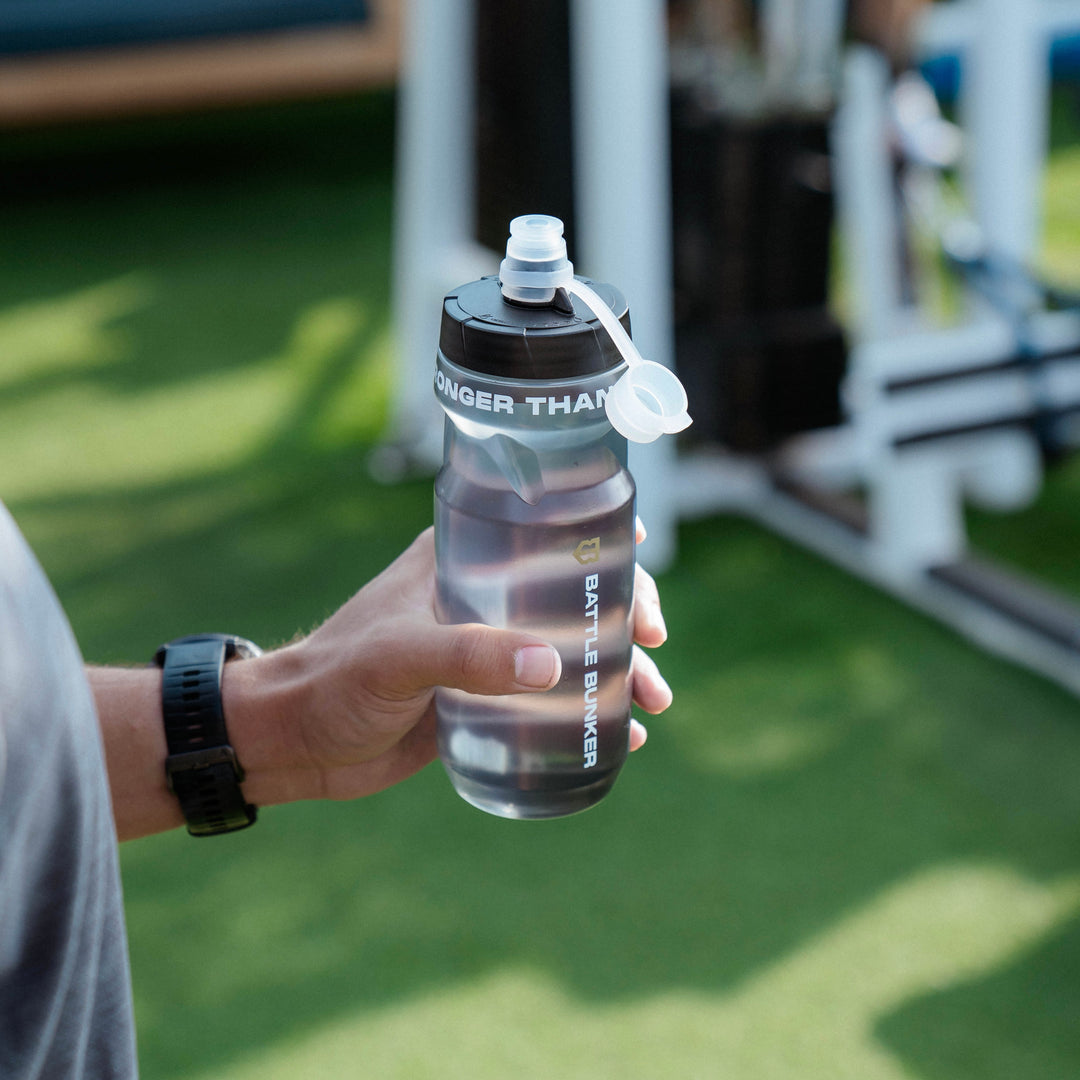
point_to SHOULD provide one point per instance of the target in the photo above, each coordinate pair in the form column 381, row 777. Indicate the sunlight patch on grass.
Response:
column 780, row 715
column 1061, row 213
column 70, row 332
column 358, row 411
column 748, row 745
column 321, row 331
column 86, row 436
column 86, row 432
column 812, row 1014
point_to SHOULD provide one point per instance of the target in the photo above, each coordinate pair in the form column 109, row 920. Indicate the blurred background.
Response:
column 852, row 846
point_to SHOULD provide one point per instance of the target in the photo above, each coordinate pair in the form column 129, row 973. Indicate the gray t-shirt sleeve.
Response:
column 65, row 993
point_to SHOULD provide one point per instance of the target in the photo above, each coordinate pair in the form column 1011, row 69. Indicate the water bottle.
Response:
column 535, row 518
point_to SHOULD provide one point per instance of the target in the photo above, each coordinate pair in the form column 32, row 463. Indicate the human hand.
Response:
column 651, row 692
column 348, row 710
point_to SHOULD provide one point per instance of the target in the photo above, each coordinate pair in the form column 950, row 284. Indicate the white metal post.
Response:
column 434, row 245
column 866, row 202
column 622, row 192
column 1004, row 100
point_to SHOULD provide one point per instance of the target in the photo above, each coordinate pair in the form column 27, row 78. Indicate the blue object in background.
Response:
column 35, row 26
column 944, row 72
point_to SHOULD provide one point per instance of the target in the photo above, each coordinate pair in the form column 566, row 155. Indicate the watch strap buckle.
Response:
column 201, row 759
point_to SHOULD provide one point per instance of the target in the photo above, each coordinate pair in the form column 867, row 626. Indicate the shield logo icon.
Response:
column 588, row 551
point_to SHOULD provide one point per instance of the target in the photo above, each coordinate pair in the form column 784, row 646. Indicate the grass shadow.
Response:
column 1031, row 1007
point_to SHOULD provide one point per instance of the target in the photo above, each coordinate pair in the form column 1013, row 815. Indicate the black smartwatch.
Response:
column 202, row 769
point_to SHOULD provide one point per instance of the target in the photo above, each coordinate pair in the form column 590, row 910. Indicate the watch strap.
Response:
column 202, row 768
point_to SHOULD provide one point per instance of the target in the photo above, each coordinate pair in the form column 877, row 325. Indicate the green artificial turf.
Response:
column 850, row 849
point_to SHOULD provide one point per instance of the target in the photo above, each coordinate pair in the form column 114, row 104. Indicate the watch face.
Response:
column 244, row 649
column 235, row 647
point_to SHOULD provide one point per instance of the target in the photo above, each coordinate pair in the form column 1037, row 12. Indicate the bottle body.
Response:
column 534, row 531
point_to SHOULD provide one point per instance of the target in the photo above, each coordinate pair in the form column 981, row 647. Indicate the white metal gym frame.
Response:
column 935, row 415
column 938, row 415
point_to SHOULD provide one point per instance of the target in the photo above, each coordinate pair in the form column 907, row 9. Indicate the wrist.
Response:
column 264, row 700
column 128, row 703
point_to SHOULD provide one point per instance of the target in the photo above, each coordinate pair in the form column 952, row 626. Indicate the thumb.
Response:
column 483, row 660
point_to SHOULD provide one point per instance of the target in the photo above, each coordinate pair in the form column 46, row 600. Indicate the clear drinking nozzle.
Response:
column 648, row 401
column 536, row 263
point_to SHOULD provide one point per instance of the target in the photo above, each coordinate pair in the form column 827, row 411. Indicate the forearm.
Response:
column 129, row 711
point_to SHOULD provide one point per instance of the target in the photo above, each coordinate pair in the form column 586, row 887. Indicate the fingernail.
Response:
column 538, row 666
column 651, row 690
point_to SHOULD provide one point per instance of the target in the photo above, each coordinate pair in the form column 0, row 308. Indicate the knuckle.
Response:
column 473, row 657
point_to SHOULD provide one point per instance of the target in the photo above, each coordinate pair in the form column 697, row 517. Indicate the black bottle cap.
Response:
column 483, row 332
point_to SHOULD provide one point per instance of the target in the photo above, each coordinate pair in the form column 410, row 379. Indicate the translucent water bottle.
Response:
column 535, row 519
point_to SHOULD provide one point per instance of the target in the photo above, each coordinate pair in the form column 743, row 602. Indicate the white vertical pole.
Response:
column 623, row 204
column 1005, row 103
column 433, row 205
column 1005, row 95
column 869, row 219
